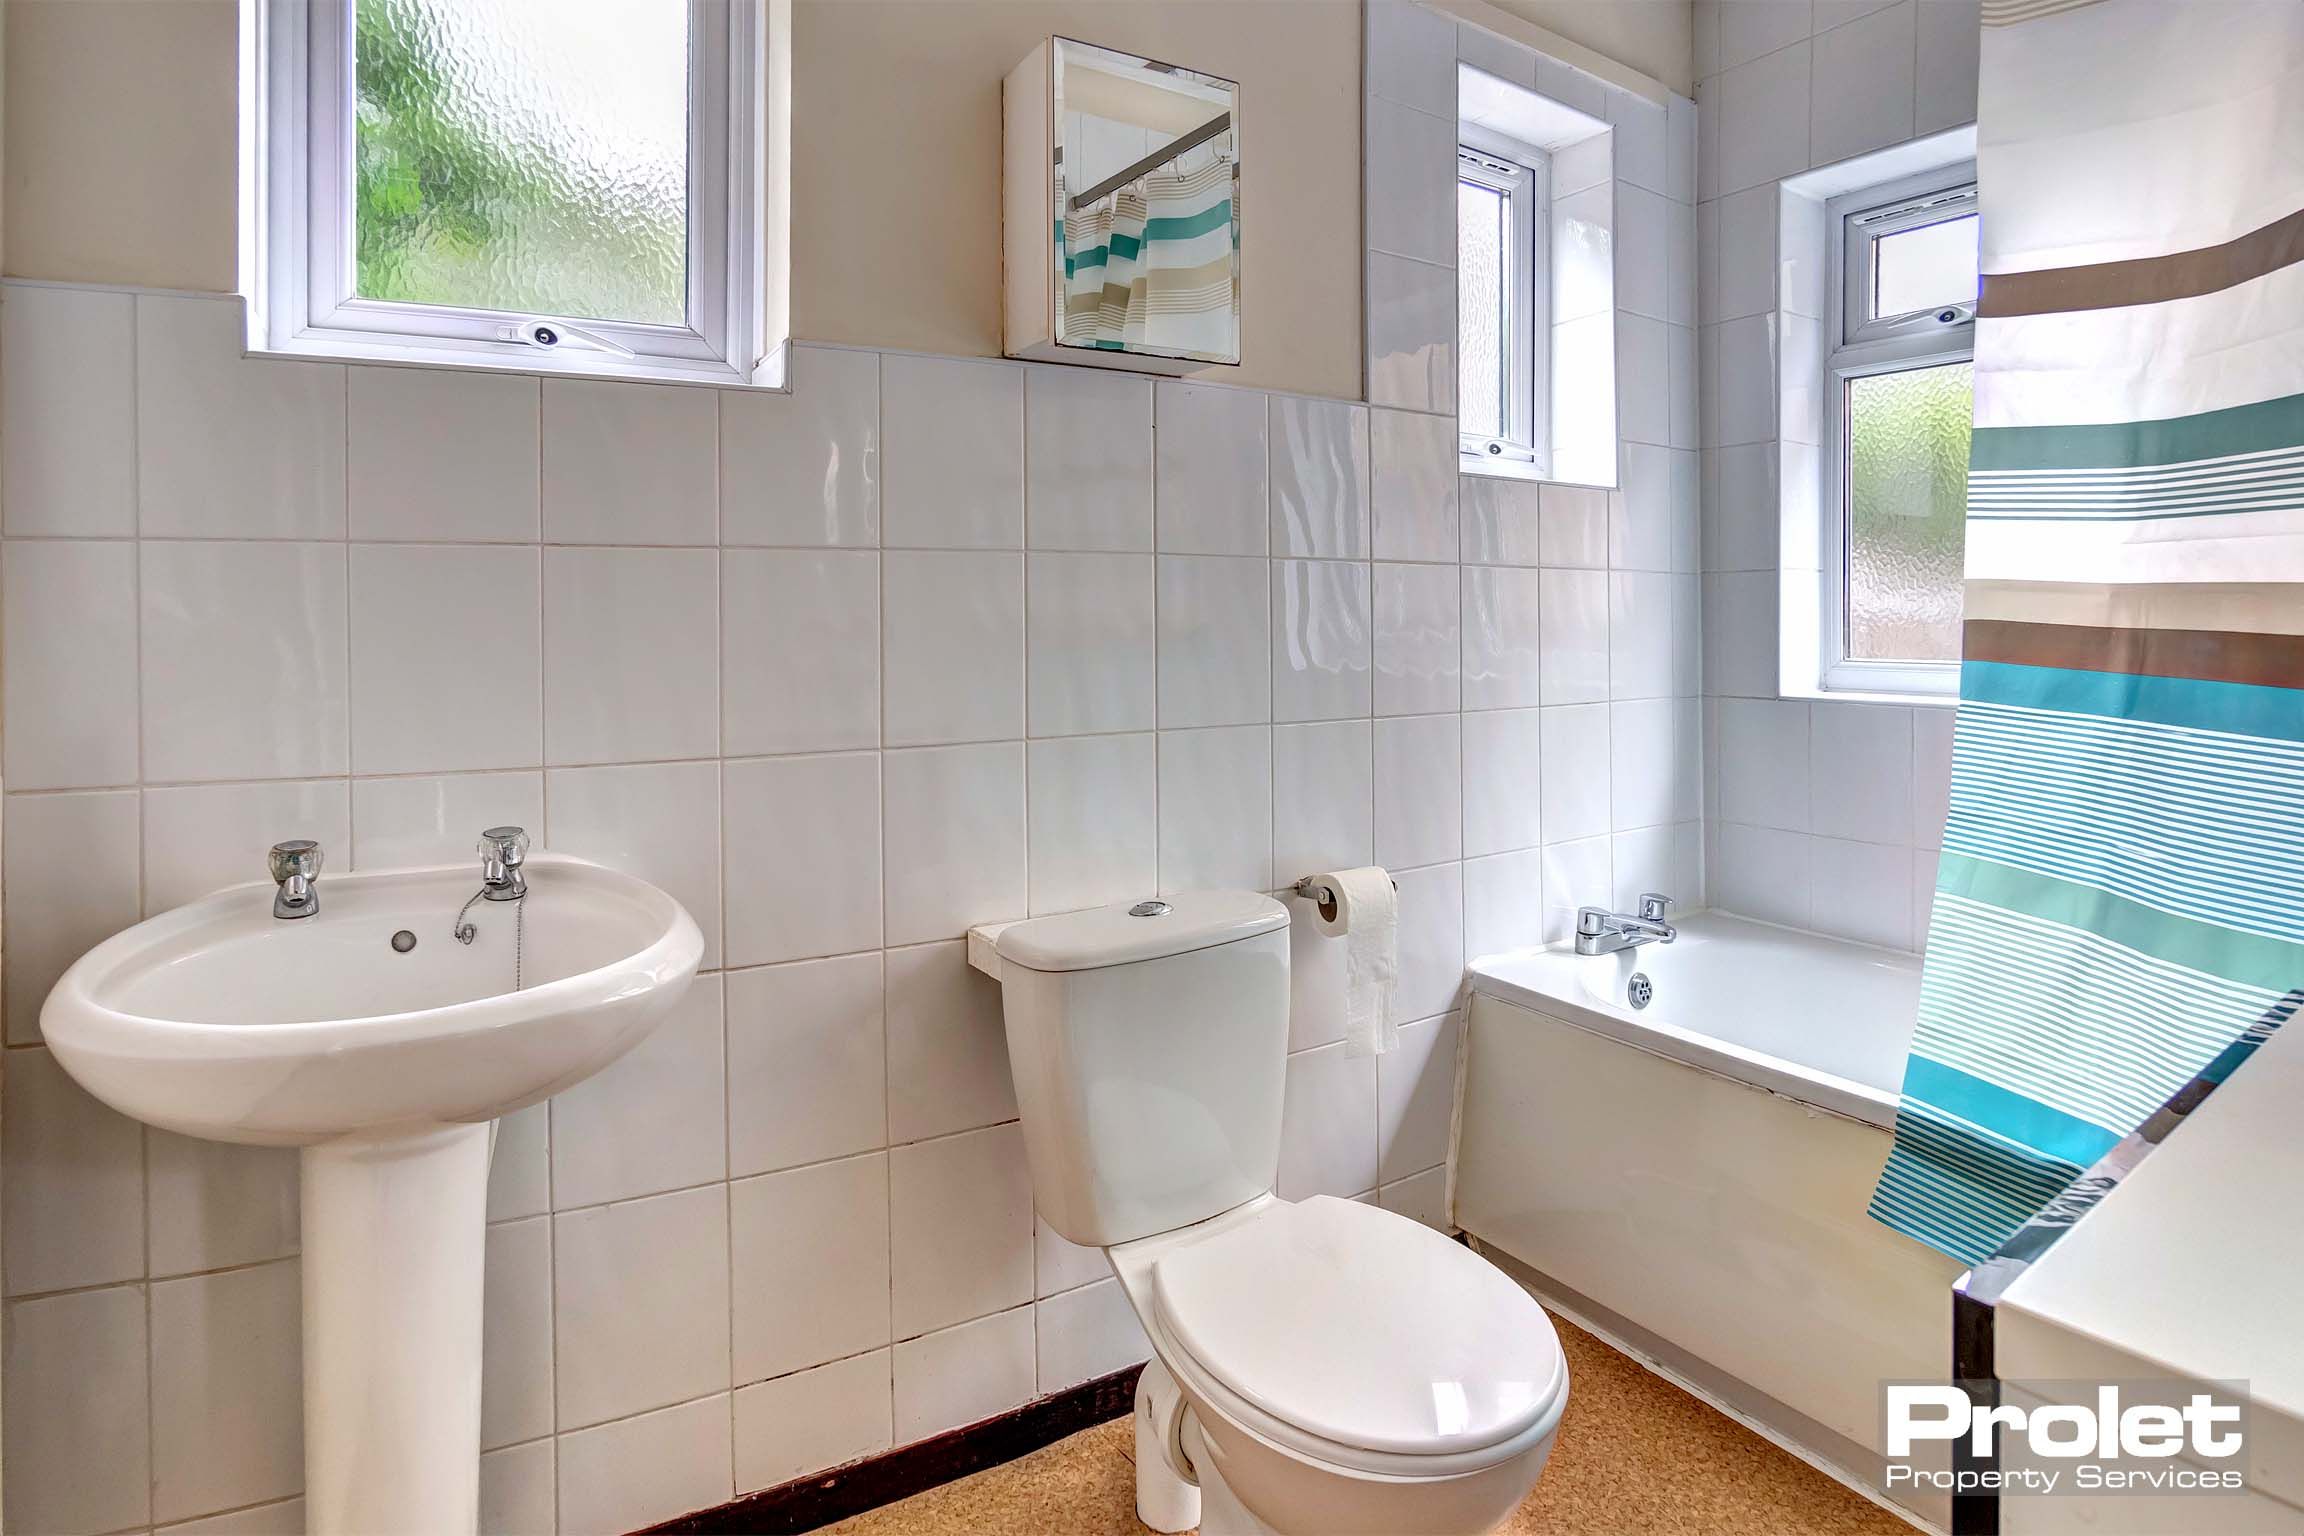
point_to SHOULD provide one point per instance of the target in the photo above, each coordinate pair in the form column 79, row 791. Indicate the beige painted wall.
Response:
column 121, row 154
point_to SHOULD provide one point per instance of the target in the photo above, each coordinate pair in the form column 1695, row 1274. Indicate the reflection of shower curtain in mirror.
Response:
column 1150, row 266
column 2121, row 894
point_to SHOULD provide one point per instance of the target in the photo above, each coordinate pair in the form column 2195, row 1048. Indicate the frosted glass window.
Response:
column 1484, row 308
column 1924, row 267
column 1907, row 499
column 528, row 156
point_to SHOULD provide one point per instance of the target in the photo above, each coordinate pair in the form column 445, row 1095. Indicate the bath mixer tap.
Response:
column 296, row 870
column 1602, row 932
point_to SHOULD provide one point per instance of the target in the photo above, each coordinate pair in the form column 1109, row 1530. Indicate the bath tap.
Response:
column 1602, row 932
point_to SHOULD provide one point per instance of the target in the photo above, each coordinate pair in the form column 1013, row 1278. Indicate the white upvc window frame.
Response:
column 1860, row 346
column 1523, row 175
column 299, row 241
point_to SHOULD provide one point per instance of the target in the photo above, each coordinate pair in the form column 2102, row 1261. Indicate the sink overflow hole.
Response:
column 403, row 941
column 1641, row 991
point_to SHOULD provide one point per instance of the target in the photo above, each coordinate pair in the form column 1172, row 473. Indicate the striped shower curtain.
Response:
column 1150, row 267
column 2121, row 894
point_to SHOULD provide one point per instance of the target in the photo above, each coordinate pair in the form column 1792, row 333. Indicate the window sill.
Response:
column 772, row 375
column 1818, row 694
column 1487, row 468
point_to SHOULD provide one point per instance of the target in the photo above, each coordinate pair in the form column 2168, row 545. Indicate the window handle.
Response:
column 548, row 334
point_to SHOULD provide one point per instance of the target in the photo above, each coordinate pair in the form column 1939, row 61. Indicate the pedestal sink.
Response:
column 368, row 1036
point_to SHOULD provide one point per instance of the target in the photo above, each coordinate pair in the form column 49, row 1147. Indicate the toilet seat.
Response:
column 1357, row 1337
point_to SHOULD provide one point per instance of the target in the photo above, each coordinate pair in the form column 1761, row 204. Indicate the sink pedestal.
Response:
column 395, row 1246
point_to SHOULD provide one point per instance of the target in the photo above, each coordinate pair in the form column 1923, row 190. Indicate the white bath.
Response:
column 1690, row 1177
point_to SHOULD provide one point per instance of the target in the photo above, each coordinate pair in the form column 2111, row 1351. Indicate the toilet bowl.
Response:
column 1340, row 1369
column 1323, row 1367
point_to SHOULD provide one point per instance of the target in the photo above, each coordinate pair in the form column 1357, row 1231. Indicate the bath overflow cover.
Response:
column 1639, row 991
column 1149, row 909
column 403, row 941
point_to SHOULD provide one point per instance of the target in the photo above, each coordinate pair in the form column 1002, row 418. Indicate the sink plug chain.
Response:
column 465, row 931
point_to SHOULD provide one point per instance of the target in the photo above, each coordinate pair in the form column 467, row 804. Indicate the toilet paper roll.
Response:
column 1367, row 918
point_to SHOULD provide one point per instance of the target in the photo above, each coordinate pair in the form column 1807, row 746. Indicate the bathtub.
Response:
column 1689, row 1176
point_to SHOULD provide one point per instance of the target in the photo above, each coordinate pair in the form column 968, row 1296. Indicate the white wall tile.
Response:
column 229, row 446
column 1215, row 640
column 1647, row 860
column 520, row 1165
column 1210, row 469
column 962, row 1375
column 1419, row 643
column 622, row 1476
column 1763, row 107
column 660, row 821
column 631, row 654
column 1639, row 635
column 1089, row 646
column 954, row 456
column 243, row 660
column 1500, row 518
column 1419, row 774
column 1503, row 902
column 74, row 1195
column 630, row 463
column 808, row 1252
column 70, row 639
column 1328, row 1124
column 1574, row 752
column 1739, row 624
column 83, row 854
column 821, row 1418
column 655, row 1119
column 1087, row 1333
column 1931, row 773
column 1431, row 942
column 1860, row 771
column 280, row 1517
column 1059, row 1264
column 437, row 820
column 1862, row 85
column 800, row 650
column 1642, row 158
column 516, row 1334
column 202, row 838
column 1578, row 873
column 1412, row 56
column 447, row 661
column 1643, row 256
column 1411, row 334
column 1751, row 28
column 1950, row 32
column 1574, row 529
column 1764, row 763
column 1503, row 801
column 639, row 1304
column 1322, row 798
column 802, row 866
column 1650, row 755
column 1494, row 55
column 961, row 1222
column 1643, row 379
column 1087, row 460
column 1091, row 808
column 1409, row 159
column 80, row 1457
column 947, row 1045
column 447, row 455
column 227, row 1338
column 1503, row 649
column 804, row 468
column 68, row 388
column 1764, row 873
column 1321, row 641
column 1862, row 891
column 1412, row 486
column 518, row 1496
column 1216, row 809
column 1572, row 635
column 1421, row 1197
column 1415, row 1091
column 955, row 839
column 1319, row 460
column 807, row 1063
column 953, row 657
column 213, row 1204
column 1740, row 508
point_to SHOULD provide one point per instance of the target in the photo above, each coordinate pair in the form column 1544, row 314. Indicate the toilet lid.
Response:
column 1363, row 1328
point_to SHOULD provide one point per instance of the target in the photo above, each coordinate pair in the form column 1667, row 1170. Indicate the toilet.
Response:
column 1322, row 1367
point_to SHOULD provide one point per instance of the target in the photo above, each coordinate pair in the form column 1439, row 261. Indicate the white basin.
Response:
column 221, row 1021
column 387, row 1063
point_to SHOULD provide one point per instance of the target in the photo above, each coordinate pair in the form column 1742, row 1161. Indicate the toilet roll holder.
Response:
column 1321, row 894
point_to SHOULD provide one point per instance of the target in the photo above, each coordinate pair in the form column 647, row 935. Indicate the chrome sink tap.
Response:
column 296, row 870
column 502, row 851
column 1602, row 932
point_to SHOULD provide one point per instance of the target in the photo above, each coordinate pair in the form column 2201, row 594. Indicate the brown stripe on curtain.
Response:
column 2203, row 655
column 2146, row 280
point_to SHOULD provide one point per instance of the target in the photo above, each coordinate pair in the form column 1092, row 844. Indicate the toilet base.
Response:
column 1166, row 1499
column 1221, row 1512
